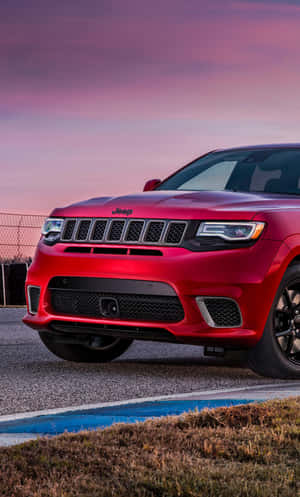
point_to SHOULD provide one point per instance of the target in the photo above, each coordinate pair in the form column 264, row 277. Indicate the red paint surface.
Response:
column 249, row 275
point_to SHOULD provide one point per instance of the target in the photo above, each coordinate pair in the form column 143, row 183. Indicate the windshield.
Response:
column 248, row 170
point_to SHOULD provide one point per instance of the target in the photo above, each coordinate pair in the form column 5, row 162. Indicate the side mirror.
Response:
column 151, row 184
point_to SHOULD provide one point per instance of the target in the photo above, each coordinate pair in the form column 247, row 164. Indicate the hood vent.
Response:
column 125, row 231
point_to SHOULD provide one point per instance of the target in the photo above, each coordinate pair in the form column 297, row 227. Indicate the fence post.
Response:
column 19, row 237
column 3, row 285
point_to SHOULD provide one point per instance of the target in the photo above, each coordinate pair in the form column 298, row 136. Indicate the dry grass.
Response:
column 247, row 451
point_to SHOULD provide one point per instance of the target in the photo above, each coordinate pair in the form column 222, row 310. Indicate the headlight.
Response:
column 51, row 230
column 52, row 225
column 231, row 231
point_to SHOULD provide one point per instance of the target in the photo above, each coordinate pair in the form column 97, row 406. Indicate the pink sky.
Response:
column 99, row 95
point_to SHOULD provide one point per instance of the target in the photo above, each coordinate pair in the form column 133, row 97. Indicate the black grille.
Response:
column 115, row 231
column 224, row 312
column 175, row 233
column 154, row 231
column 99, row 229
column 69, row 228
column 131, row 307
column 83, row 230
column 134, row 231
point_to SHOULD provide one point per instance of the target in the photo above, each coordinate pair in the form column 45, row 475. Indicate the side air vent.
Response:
column 110, row 250
column 220, row 312
column 79, row 250
column 131, row 231
column 33, row 293
column 150, row 252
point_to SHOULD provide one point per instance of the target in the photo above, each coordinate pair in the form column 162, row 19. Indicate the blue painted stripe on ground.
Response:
column 74, row 421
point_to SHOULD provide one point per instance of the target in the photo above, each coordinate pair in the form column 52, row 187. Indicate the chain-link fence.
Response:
column 19, row 234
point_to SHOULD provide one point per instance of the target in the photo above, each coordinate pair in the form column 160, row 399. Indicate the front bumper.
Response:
column 249, row 276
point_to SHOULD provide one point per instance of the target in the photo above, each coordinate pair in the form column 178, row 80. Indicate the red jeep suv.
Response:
column 209, row 256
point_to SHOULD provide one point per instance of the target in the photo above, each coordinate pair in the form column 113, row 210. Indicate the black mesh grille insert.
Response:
column 98, row 230
column 175, row 232
column 83, row 230
column 131, row 307
column 134, row 231
column 115, row 230
column 69, row 229
column 224, row 312
column 154, row 231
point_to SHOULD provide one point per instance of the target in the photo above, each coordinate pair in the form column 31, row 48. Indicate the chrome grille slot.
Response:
column 175, row 233
column 99, row 230
column 115, row 230
column 154, row 231
column 83, row 230
column 134, row 231
column 69, row 230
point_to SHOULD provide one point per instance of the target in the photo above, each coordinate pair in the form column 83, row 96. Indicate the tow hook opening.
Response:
column 211, row 351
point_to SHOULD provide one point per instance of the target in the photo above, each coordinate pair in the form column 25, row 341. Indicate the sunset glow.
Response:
column 98, row 96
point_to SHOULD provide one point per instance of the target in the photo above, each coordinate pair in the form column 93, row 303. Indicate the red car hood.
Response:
column 180, row 205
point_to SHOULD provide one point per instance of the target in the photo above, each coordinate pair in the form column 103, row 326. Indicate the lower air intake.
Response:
column 151, row 308
column 33, row 293
column 220, row 312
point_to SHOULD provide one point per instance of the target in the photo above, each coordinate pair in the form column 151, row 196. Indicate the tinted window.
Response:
column 261, row 178
column 215, row 177
column 251, row 170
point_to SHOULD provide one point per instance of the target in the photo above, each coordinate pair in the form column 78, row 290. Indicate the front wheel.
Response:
column 100, row 349
column 277, row 354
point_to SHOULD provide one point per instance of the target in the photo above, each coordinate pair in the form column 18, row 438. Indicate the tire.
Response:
column 106, row 349
column 277, row 354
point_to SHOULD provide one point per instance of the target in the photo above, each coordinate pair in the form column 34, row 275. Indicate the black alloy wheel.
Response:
column 277, row 353
column 286, row 323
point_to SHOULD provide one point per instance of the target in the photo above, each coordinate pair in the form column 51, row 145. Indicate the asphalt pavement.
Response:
column 31, row 378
